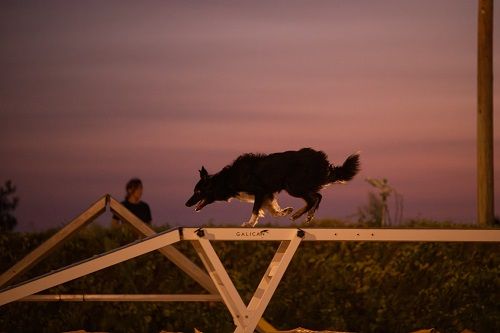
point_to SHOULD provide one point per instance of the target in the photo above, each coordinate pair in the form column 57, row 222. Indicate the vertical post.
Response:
column 485, row 193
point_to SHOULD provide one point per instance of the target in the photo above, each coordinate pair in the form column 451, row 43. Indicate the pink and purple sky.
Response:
column 93, row 93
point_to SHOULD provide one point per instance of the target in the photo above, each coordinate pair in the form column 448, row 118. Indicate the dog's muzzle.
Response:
column 199, row 203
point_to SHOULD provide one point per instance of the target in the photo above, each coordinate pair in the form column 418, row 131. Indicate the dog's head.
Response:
column 204, row 191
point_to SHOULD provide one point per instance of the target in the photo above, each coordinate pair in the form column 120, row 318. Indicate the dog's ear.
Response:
column 203, row 173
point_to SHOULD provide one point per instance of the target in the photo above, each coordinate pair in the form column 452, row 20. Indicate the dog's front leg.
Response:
column 256, row 212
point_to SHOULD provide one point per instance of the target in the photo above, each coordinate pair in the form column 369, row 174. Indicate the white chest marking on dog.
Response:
column 245, row 197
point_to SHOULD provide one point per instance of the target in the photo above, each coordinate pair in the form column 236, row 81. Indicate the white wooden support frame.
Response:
column 53, row 242
column 246, row 318
column 222, row 280
column 174, row 255
column 86, row 267
column 271, row 279
column 179, row 259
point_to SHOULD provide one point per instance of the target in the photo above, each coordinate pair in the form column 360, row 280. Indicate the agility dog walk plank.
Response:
column 345, row 234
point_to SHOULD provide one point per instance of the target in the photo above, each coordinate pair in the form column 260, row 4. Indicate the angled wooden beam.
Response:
column 270, row 280
column 88, row 266
column 265, row 327
column 225, row 286
column 174, row 255
column 53, row 242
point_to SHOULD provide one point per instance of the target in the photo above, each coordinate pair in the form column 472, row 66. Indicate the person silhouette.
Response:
column 134, row 203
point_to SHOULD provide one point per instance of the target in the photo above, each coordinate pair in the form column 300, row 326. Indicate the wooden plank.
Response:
column 265, row 327
column 345, row 234
column 122, row 298
column 174, row 255
column 88, row 266
column 53, row 242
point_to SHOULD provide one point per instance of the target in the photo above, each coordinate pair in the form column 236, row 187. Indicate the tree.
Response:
column 8, row 203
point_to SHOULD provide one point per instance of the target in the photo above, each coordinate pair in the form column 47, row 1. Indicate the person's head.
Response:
column 134, row 190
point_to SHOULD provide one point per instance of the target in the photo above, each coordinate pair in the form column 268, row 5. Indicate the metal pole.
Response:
column 485, row 185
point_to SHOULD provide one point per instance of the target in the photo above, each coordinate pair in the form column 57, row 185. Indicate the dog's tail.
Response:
column 346, row 171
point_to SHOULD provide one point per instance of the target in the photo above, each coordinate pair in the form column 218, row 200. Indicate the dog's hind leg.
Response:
column 312, row 200
column 312, row 211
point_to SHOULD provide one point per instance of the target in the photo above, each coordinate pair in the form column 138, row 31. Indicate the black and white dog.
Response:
column 258, row 178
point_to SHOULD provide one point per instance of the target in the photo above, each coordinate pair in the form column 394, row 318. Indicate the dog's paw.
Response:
column 286, row 211
column 308, row 219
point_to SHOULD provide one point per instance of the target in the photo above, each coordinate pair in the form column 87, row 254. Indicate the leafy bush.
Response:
column 352, row 286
